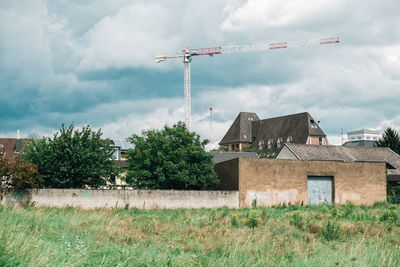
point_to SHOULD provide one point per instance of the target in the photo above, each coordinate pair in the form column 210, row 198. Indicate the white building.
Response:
column 363, row 137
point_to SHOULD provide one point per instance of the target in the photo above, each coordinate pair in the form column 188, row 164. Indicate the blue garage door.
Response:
column 319, row 190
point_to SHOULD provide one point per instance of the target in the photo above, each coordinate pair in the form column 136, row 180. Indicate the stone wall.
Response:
column 274, row 181
column 142, row 199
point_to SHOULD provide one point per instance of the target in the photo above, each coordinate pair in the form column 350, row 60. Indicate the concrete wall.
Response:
column 228, row 174
column 274, row 181
column 142, row 199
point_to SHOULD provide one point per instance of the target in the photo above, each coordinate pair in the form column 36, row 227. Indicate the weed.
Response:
column 347, row 209
column 234, row 220
column 336, row 212
column 225, row 212
column 253, row 218
column 254, row 203
column 297, row 219
column 389, row 216
column 331, row 230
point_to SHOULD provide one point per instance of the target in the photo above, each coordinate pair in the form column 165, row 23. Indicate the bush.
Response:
column 253, row 218
column 297, row 218
column 331, row 230
column 393, row 194
column 347, row 209
column 16, row 174
column 389, row 216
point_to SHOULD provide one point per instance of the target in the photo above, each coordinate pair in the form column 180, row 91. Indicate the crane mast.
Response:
column 187, row 55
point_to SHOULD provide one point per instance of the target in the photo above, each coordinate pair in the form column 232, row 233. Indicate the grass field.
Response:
column 286, row 236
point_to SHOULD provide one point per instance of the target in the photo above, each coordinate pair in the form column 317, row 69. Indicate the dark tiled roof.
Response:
column 364, row 143
column 240, row 130
column 121, row 163
column 297, row 126
column 347, row 154
column 9, row 146
column 224, row 156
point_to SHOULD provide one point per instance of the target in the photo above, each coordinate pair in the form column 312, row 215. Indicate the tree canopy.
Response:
column 73, row 158
column 390, row 138
column 171, row 158
column 16, row 174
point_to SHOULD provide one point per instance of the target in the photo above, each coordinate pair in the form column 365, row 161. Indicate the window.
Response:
column 289, row 140
column 270, row 141
column 244, row 136
column 260, row 144
column 279, row 142
column 237, row 146
column 320, row 141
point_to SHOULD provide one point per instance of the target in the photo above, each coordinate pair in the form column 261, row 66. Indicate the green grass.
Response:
column 286, row 236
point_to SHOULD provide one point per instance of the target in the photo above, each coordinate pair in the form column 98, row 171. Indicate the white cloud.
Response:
column 256, row 14
column 130, row 38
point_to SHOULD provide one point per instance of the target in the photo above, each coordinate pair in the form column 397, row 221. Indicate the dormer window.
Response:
column 279, row 142
column 260, row 144
column 289, row 140
column 270, row 141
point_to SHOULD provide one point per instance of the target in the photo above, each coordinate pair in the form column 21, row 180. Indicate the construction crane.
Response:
column 187, row 54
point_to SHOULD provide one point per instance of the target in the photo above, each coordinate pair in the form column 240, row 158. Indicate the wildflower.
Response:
column 234, row 215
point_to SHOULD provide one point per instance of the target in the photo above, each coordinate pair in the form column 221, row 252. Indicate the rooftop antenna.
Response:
column 341, row 133
column 211, row 109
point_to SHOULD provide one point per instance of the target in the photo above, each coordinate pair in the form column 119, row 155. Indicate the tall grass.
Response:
column 285, row 236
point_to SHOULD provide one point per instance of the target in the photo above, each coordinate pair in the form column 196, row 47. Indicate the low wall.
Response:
column 142, row 199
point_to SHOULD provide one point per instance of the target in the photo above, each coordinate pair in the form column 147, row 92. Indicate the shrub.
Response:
column 347, row 209
column 335, row 212
column 16, row 174
column 252, row 220
column 297, row 218
column 331, row 230
column 389, row 216
column 393, row 194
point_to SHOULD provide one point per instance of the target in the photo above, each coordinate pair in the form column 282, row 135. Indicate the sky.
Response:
column 91, row 62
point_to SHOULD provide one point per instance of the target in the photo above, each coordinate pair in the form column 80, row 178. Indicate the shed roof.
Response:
column 347, row 154
column 224, row 156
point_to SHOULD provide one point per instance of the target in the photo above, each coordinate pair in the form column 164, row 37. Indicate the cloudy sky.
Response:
column 92, row 62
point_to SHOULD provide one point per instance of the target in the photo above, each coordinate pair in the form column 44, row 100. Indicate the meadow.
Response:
column 344, row 235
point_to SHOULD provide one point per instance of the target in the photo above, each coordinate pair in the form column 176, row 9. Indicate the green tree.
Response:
column 171, row 158
column 16, row 174
column 73, row 158
column 390, row 138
